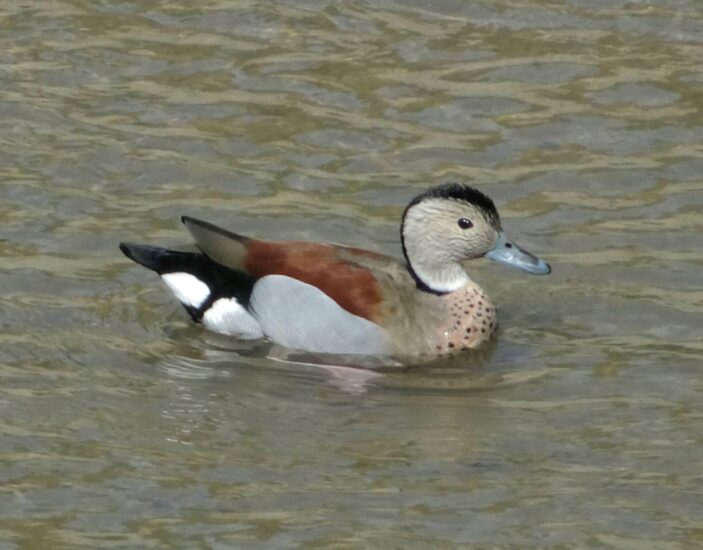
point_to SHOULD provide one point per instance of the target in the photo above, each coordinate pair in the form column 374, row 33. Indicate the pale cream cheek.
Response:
column 476, row 244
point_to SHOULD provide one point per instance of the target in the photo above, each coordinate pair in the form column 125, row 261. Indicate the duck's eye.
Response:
column 465, row 223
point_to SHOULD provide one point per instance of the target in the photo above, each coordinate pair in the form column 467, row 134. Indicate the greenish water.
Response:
column 123, row 425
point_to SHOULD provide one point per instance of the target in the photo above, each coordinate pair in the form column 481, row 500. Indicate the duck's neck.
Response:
column 438, row 279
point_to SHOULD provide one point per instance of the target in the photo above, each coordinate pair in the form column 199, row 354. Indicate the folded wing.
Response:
column 336, row 271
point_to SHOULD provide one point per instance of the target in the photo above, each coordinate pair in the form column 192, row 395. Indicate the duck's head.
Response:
column 452, row 223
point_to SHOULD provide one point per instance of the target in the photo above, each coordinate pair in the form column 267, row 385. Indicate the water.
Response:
column 123, row 425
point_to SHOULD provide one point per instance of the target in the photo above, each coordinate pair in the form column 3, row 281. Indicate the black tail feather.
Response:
column 222, row 281
column 160, row 259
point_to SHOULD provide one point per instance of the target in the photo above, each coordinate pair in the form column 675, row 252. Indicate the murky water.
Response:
column 123, row 425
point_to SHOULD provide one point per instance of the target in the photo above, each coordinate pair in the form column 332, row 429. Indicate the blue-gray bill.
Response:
column 508, row 253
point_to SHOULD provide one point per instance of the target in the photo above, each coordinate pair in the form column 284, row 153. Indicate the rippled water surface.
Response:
column 124, row 425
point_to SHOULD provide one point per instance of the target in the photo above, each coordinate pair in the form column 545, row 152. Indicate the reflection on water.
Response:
column 125, row 425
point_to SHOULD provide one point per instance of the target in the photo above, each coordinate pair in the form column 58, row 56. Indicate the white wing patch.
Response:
column 227, row 316
column 189, row 290
column 301, row 316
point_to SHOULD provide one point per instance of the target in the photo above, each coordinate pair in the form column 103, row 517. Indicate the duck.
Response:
column 334, row 299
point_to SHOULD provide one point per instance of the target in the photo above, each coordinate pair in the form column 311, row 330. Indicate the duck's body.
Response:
column 336, row 299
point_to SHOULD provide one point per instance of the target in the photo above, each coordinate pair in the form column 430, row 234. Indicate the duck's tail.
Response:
column 211, row 293
column 161, row 260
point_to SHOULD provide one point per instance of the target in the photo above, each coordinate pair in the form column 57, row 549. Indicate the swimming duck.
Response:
column 335, row 299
